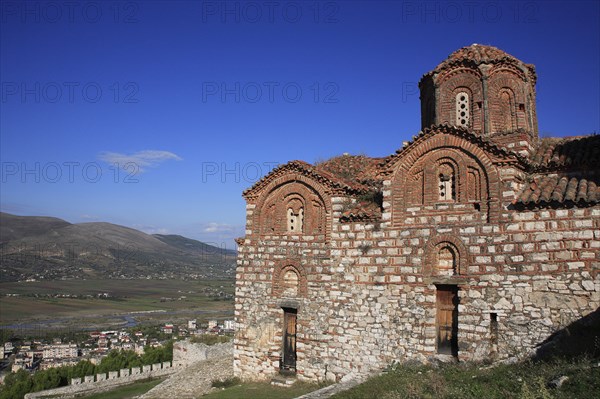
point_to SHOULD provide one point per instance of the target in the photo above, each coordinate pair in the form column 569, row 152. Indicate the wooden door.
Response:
column 447, row 320
column 288, row 362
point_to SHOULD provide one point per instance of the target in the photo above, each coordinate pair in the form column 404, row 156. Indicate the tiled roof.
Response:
column 553, row 189
column 321, row 175
column 476, row 54
column 482, row 142
column 354, row 170
column 580, row 153
column 480, row 53
column 362, row 211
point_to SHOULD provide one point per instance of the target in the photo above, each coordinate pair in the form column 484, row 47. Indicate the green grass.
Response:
column 262, row 390
column 226, row 383
column 526, row 380
column 127, row 391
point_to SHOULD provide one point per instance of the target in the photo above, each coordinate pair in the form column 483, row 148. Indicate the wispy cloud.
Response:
column 89, row 217
column 149, row 229
column 139, row 161
column 214, row 233
column 214, row 227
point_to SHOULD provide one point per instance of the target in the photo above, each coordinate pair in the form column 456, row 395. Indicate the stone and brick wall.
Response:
column 370, row 292
column 475, row 209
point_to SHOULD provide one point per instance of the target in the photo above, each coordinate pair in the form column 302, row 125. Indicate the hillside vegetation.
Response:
column 572, row 352
column 528, row 380
column 42, row 248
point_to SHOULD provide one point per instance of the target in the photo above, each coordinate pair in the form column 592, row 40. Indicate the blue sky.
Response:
column 157, row 115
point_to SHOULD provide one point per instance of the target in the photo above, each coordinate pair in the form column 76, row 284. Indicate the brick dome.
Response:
column 485, row 90
column 482, row 54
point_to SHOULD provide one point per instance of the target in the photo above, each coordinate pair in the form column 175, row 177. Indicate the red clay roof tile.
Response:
column 552, row 189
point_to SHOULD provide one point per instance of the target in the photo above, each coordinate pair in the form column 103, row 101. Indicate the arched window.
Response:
column 295, row 215
column 295, row 220
column 446, row 256
column 292, row 208
column 506, row 108
column 473, row 184
column 463, row 110
column 446, row 261
column 290, row 283
column 446, row 183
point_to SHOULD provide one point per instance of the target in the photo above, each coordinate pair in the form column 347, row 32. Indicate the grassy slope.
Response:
column 127, row 391
column 52, row 248
column 13, row 227
column 525, row 380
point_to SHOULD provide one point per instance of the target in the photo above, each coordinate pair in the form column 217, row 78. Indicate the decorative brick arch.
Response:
column 465, row 153
column 454, row 82
column 268, row 217
column 280, row 284
column 509, row 68
column 432, row 249
column 507, row 82
column 462, row 72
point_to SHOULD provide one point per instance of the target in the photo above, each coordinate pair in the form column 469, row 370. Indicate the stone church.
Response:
column 477, row 239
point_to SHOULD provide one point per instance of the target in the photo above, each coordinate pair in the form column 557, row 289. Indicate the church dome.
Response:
column 477, row 54
column 480, row 53
column 485, row 90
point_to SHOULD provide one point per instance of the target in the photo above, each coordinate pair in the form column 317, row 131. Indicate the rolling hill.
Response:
column 49, row 248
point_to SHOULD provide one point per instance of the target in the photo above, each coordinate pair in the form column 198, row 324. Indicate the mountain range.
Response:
column 38, row 248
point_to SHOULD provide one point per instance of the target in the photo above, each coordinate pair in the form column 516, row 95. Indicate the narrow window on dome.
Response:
column 463, row 112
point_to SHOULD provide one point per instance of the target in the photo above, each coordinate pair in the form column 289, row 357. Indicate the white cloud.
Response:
column 214, row 227
column 221, row 235
column 138, row 162
column 152, row 229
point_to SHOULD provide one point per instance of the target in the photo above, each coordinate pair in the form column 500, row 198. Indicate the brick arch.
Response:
column 508, row 68
column 447, row 157
column 269, row 210
column 427, row 166
column 450, row 146
column 433, row 247
column 450, row 85
column 505, row 111
column 507, row 81
column 278, row 284
column 458, row 71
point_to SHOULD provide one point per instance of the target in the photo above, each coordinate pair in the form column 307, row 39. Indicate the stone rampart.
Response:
column 186, row 352
column 102, row 384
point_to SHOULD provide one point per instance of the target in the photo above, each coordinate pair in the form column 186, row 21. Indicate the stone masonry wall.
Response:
column 369, row 303
column 101, row 383
column 451, row 236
